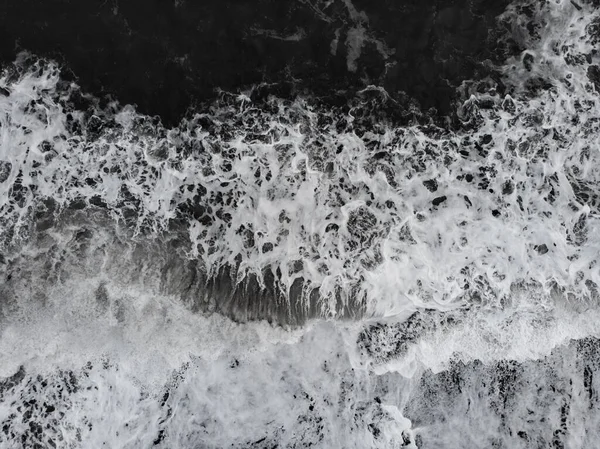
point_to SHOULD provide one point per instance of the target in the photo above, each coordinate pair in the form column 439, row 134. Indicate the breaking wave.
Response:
column 284, row 273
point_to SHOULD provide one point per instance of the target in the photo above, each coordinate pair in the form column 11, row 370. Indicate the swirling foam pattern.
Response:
column 457, row 263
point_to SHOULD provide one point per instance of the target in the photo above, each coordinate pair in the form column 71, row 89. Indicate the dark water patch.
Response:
column 166, row 56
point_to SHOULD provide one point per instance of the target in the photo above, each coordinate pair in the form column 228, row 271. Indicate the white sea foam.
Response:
column 489, row 235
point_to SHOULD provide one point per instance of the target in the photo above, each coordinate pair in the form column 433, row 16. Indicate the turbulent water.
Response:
column 282, row 273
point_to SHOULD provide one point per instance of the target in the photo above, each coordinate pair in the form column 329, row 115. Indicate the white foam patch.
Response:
column 161, row 374
column 513, row 202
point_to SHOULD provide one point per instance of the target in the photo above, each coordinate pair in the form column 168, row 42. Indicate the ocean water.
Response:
column 282, row 273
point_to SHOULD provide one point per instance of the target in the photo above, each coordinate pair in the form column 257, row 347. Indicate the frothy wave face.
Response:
column 119, row 239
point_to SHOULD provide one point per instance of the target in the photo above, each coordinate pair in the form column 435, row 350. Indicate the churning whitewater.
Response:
column 277, row 273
